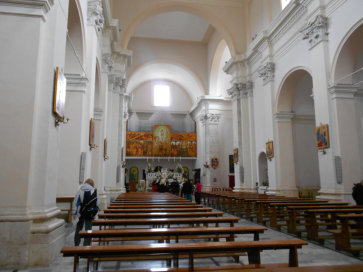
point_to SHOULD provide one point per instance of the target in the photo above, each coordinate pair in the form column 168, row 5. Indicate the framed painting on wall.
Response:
column 105, row 157
column 322, row 136
column 92, row 133
column 270, row 149
column 59, row 98
column 235, row 155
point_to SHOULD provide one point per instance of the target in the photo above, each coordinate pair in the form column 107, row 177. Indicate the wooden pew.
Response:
column 172, row 233
column 67, row 199
column 326, row 218
column 351, row 227
column 159, row 215
column 189, row 249
column 165, row 221
column 151, row 210
column 141, row 206
column 257, row 268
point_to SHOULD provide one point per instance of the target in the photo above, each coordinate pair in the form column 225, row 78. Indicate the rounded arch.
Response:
column 182, row 7
column 217, row 75
column 285, row 94
column 159, row 70
column 75, row 45
column 347, row 53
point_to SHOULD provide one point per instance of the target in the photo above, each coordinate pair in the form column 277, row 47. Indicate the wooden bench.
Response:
column 351, row 227
column 253, row 249
column 165, row 221
column 257, row 268
column 66, row 199
column 141, row 206
column 159, row 215
column 172, row 233
column 150, row 210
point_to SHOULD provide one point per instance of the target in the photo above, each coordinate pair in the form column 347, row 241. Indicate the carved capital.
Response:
column 249, row 88
column 267, row 72
column 210, row 118
column 95, row 16
column 316, row 31
column 235, row 91
column 119, row 85
column 107, row 62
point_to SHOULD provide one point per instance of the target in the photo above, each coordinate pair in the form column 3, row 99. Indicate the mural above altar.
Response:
column 161, row 143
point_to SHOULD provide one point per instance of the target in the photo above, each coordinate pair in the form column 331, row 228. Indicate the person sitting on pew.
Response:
column 85, row 206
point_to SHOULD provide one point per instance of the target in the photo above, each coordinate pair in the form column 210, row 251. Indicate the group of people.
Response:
column 185, row 189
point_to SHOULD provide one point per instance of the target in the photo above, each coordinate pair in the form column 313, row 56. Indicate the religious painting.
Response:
column 139, row 144
column 214, row 162
column 134, row 174
column 92, row 133
column 59, row 98
column 269, row 149
column 322, row 137
column 183, row 145
column 161, row 140
column 235, row 155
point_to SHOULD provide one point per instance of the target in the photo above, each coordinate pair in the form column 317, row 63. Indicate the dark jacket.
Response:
column 358, row 193
column 187, row 188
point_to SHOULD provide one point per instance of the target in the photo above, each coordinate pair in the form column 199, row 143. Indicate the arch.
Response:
column 215, row 70
column 284, row 96
column 75, row 45
column 347, row 53
column 182, row 7
column 159, row 70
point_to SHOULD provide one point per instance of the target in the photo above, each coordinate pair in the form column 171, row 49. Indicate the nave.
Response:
column 309, row 255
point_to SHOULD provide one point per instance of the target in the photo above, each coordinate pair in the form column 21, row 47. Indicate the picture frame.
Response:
column 322, row 136
column 235, row 155
column 270, row 149
column 214, row 162
column 105, row 157
column 59, row 95
column 92, row 133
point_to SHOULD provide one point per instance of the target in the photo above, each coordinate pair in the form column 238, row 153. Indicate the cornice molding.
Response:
column 343, row 91
column 284, row 116
column 76, row 83
column 98, row 114
column 36, row 8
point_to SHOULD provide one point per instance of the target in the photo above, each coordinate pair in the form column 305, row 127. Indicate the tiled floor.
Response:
column 309, row 255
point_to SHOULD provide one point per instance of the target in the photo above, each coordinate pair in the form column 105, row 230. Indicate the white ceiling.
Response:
column 173, row 25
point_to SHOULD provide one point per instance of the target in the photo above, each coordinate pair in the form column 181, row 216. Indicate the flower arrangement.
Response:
column 149, row 168
column 179, row 168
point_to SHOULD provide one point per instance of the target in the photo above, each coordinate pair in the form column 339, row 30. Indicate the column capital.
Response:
column 210, row 118
column 118, row 85
column 95, row 16
column 343, row 91
column 107, row 62
column 316, row 31
column 284, row 116
column 267, row 72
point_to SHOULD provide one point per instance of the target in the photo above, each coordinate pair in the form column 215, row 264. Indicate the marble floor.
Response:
column 312, row 254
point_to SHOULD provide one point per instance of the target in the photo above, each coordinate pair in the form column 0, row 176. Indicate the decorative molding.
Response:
column 267, row 72
column 36, row 8
column 316, row 31
column 284, row 116
column 210, row 118
column 98, row 114
column 119, row 85
column 304, row 119
column 76, row 83
column 95, row 14
column 107, row 62
column 249, row 88
column 235, row 91
column 343, row 91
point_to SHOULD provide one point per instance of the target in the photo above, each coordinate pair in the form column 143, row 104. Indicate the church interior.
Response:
column 253, row 99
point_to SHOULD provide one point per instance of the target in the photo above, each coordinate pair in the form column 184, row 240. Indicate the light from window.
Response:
column 161, row 96
column 284, row 3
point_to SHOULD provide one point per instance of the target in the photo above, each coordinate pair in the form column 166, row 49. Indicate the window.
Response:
column 161, row 96
column 284, row 3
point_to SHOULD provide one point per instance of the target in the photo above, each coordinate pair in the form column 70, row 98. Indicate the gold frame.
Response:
column 235, row 155
column 59, row 96
column 270, row 149
column 92, row 133
column 322, row 136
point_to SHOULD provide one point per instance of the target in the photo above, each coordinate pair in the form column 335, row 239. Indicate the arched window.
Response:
column 161, row 96
column 284, row 3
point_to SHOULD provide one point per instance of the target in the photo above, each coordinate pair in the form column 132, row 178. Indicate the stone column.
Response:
column 267, row 73
column 316, row 33
column 31, row 235
column 346, row 140
column 235, row 93
column 251, row 130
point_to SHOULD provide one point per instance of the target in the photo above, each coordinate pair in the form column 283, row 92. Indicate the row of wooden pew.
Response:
column 169, row 220
column 317, row 220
